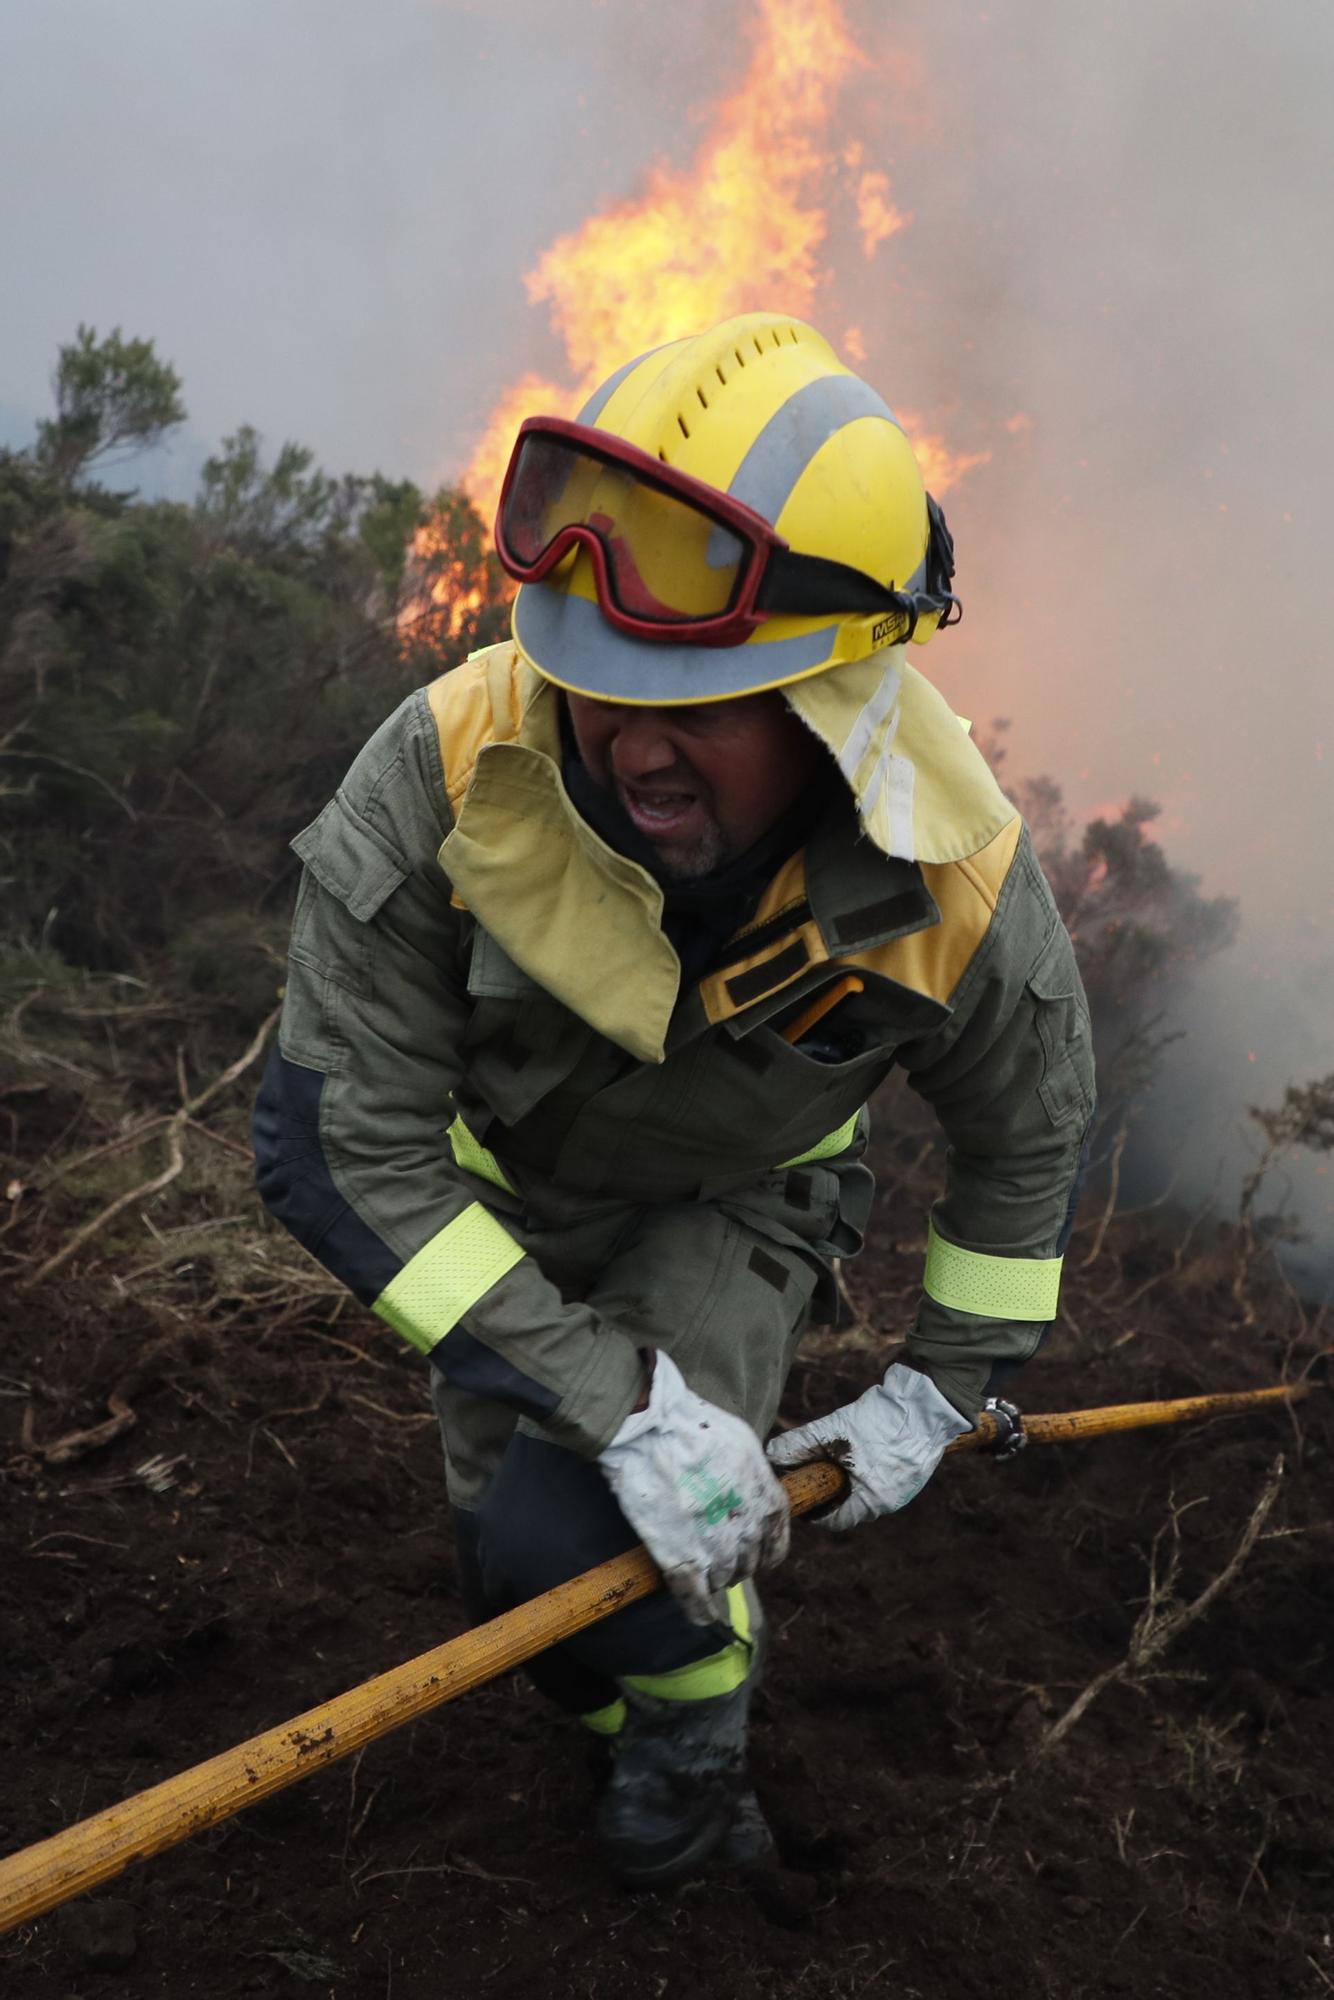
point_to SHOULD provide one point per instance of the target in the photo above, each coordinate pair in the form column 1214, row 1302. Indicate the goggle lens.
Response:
column 667, row 561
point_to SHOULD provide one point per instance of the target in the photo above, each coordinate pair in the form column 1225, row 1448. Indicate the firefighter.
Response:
column 599, row 954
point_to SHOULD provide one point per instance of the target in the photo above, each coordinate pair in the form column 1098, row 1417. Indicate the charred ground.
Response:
column 272, row 1530
column 182, row 687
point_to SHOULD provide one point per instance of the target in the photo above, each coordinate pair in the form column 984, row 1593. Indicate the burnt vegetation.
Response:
column 1061, row 1728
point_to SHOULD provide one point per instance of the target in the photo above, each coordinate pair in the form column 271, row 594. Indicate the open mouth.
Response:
column 656, row 813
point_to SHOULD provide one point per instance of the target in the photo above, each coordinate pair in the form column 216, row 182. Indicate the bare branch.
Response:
column 1113, row 1187
column 1162, row 1620
column 174, row 1131
column 78, row 770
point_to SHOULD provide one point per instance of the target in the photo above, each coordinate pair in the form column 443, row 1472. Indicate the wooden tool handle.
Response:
column 38, row 1878
column 1071, row 1426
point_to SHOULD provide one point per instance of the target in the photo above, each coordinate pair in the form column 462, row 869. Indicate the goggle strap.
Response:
column 810, row 586
column 813, row 586
column 939, row 549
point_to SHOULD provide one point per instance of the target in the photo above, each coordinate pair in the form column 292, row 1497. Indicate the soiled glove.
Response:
column 889, row 1442
column 694, row 1484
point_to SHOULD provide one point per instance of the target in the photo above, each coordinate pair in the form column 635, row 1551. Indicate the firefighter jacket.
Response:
column 497, row 1117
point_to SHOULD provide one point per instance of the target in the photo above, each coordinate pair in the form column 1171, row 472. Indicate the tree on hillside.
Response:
column 1139, row 926
column 283, row 506
column 113, row 396
column 182, row 688
column 421, row 565
column 1303, row 1121
column 454, row 590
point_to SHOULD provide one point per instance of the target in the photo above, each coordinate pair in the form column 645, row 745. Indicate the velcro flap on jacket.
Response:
column 346, row 855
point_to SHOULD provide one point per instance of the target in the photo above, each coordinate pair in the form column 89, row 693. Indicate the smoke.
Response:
column 1117, row 281
column 1106, row 285
column 1112, row 276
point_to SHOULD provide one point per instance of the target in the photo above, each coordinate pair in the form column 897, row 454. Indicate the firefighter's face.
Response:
column 704, row 783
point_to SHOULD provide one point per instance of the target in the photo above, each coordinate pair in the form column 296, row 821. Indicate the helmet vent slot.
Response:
column 721, row 377
column 703, row 399
column 740, row 357
column 682, row 422
column 759, row 349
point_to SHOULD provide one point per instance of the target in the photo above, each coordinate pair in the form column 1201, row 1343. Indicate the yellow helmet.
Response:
column 762, row 411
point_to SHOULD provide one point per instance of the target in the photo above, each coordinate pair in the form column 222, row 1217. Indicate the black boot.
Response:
column 678, row 1799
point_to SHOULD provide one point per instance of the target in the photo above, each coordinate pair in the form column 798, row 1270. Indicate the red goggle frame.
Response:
column 571, row 486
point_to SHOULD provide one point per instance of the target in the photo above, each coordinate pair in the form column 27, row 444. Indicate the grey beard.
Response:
column 712, row 850
column 709, row 852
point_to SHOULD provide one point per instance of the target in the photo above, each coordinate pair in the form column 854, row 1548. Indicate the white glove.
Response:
column 889, row 1442
column 694, row 1484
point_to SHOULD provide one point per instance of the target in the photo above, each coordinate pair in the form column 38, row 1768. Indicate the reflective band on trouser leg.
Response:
column 475, row 1158
column 993, row 1287
column 720, row 1673
column 447, row 1277
column 835, row 1142
column 608, row 1721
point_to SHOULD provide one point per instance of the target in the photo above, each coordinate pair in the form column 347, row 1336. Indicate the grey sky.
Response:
column 1123, row 228
column 319, row 210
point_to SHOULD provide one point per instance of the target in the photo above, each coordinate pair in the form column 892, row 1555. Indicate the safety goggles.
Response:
column 672, row 557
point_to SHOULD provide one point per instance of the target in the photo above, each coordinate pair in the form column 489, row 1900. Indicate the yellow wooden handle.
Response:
column 1072, row 1426
column 92, row 1851
column 39, row 1877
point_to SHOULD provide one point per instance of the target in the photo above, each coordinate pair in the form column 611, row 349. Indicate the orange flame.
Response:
column 739, row 229
column 877, row 216
column 941, row 467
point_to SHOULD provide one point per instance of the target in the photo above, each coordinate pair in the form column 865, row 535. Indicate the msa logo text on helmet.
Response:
column 884, row 629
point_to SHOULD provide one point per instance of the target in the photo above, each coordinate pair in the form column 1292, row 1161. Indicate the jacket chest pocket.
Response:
column 830, row 1067
column 799, row 1089
column 520, row 1045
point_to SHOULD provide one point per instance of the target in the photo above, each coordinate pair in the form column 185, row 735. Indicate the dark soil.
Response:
column 293, row 1541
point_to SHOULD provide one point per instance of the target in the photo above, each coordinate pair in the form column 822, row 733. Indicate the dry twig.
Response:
column 1163, row 1619
column 175, row 1127
column 1113, row 1188
column 76, row 1444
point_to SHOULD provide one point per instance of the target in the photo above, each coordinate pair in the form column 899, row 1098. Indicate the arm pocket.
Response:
column 1062, row 1021
column 350, row 873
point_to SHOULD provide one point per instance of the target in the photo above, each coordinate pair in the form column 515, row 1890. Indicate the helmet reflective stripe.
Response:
column 762, row 409
column 789, row 441
column 917, row 581
column 600, row 398
column 554, row 625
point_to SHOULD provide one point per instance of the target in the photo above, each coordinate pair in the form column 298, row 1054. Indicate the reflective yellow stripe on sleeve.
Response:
column 447, row 1277
column 993, row 1287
